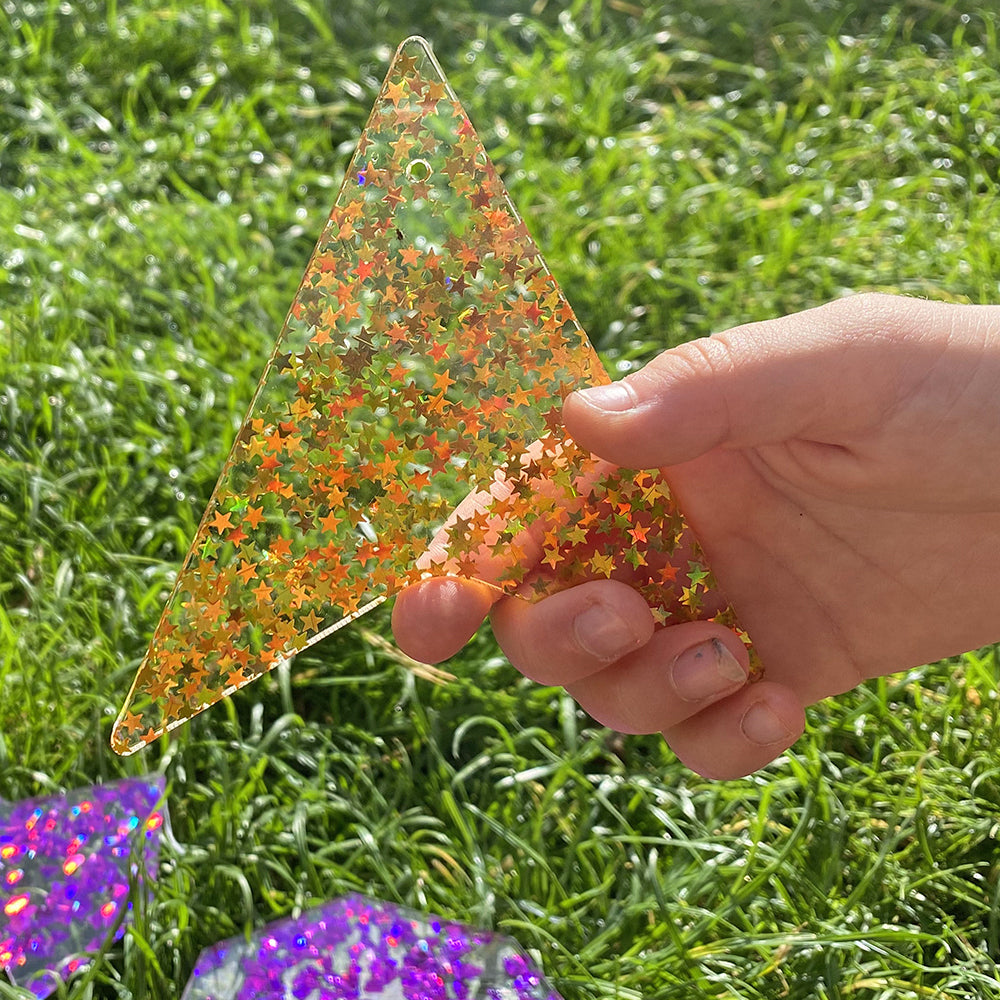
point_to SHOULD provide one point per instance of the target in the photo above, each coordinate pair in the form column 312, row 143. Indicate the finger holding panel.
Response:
column 817, row 374
column 574, row 632
column 677, row 674
column 432, row 620
column 740, row 734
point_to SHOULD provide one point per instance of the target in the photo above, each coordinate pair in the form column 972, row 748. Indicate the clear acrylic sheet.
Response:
column 426, row 356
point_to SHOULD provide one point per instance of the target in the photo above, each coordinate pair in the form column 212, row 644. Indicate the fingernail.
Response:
column 762, row 726
column 706, row 669
column 615, row 398
column 604, row 634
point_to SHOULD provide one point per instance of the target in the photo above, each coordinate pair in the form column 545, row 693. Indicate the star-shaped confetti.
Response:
column 359, row 948
column 425, row 357
column 67, row 865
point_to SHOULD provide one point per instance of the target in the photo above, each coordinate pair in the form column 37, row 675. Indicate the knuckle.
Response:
column 704, row 357
column 870, row 316
column 715, row 355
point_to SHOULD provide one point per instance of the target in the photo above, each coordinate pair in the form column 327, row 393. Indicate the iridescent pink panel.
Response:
column 354, row 947
column 69, row 865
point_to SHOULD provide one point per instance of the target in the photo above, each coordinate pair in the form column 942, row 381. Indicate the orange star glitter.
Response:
column 425, row 358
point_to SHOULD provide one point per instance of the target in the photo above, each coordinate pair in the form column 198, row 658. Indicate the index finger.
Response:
column 480, row 557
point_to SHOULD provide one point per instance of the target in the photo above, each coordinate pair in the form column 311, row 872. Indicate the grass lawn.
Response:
column 164, row 172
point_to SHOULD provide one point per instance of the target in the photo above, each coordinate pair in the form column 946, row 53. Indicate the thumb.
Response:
column 819, row 374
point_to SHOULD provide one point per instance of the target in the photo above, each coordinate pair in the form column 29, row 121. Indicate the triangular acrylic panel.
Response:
column 365, row 948
column 67, row 866
column 426, row 355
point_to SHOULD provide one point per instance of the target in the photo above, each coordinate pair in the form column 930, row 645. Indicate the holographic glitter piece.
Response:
column 353, row 948
column 425, row 357
column 67, row 865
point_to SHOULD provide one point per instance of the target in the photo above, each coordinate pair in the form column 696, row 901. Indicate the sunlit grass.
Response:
column 164, row 172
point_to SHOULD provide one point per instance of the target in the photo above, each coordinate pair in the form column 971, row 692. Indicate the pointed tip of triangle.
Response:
column 414, row 42
column 121, row 742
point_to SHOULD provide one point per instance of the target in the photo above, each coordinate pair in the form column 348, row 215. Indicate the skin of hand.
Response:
column 841, row 469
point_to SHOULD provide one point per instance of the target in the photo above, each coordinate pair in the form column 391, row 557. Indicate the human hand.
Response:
column 838, row 467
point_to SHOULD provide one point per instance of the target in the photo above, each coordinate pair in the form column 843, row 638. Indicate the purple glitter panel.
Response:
column 66, row 863
column 353, row 948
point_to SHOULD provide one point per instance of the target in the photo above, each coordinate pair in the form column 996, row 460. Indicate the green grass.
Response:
column 164, row 172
